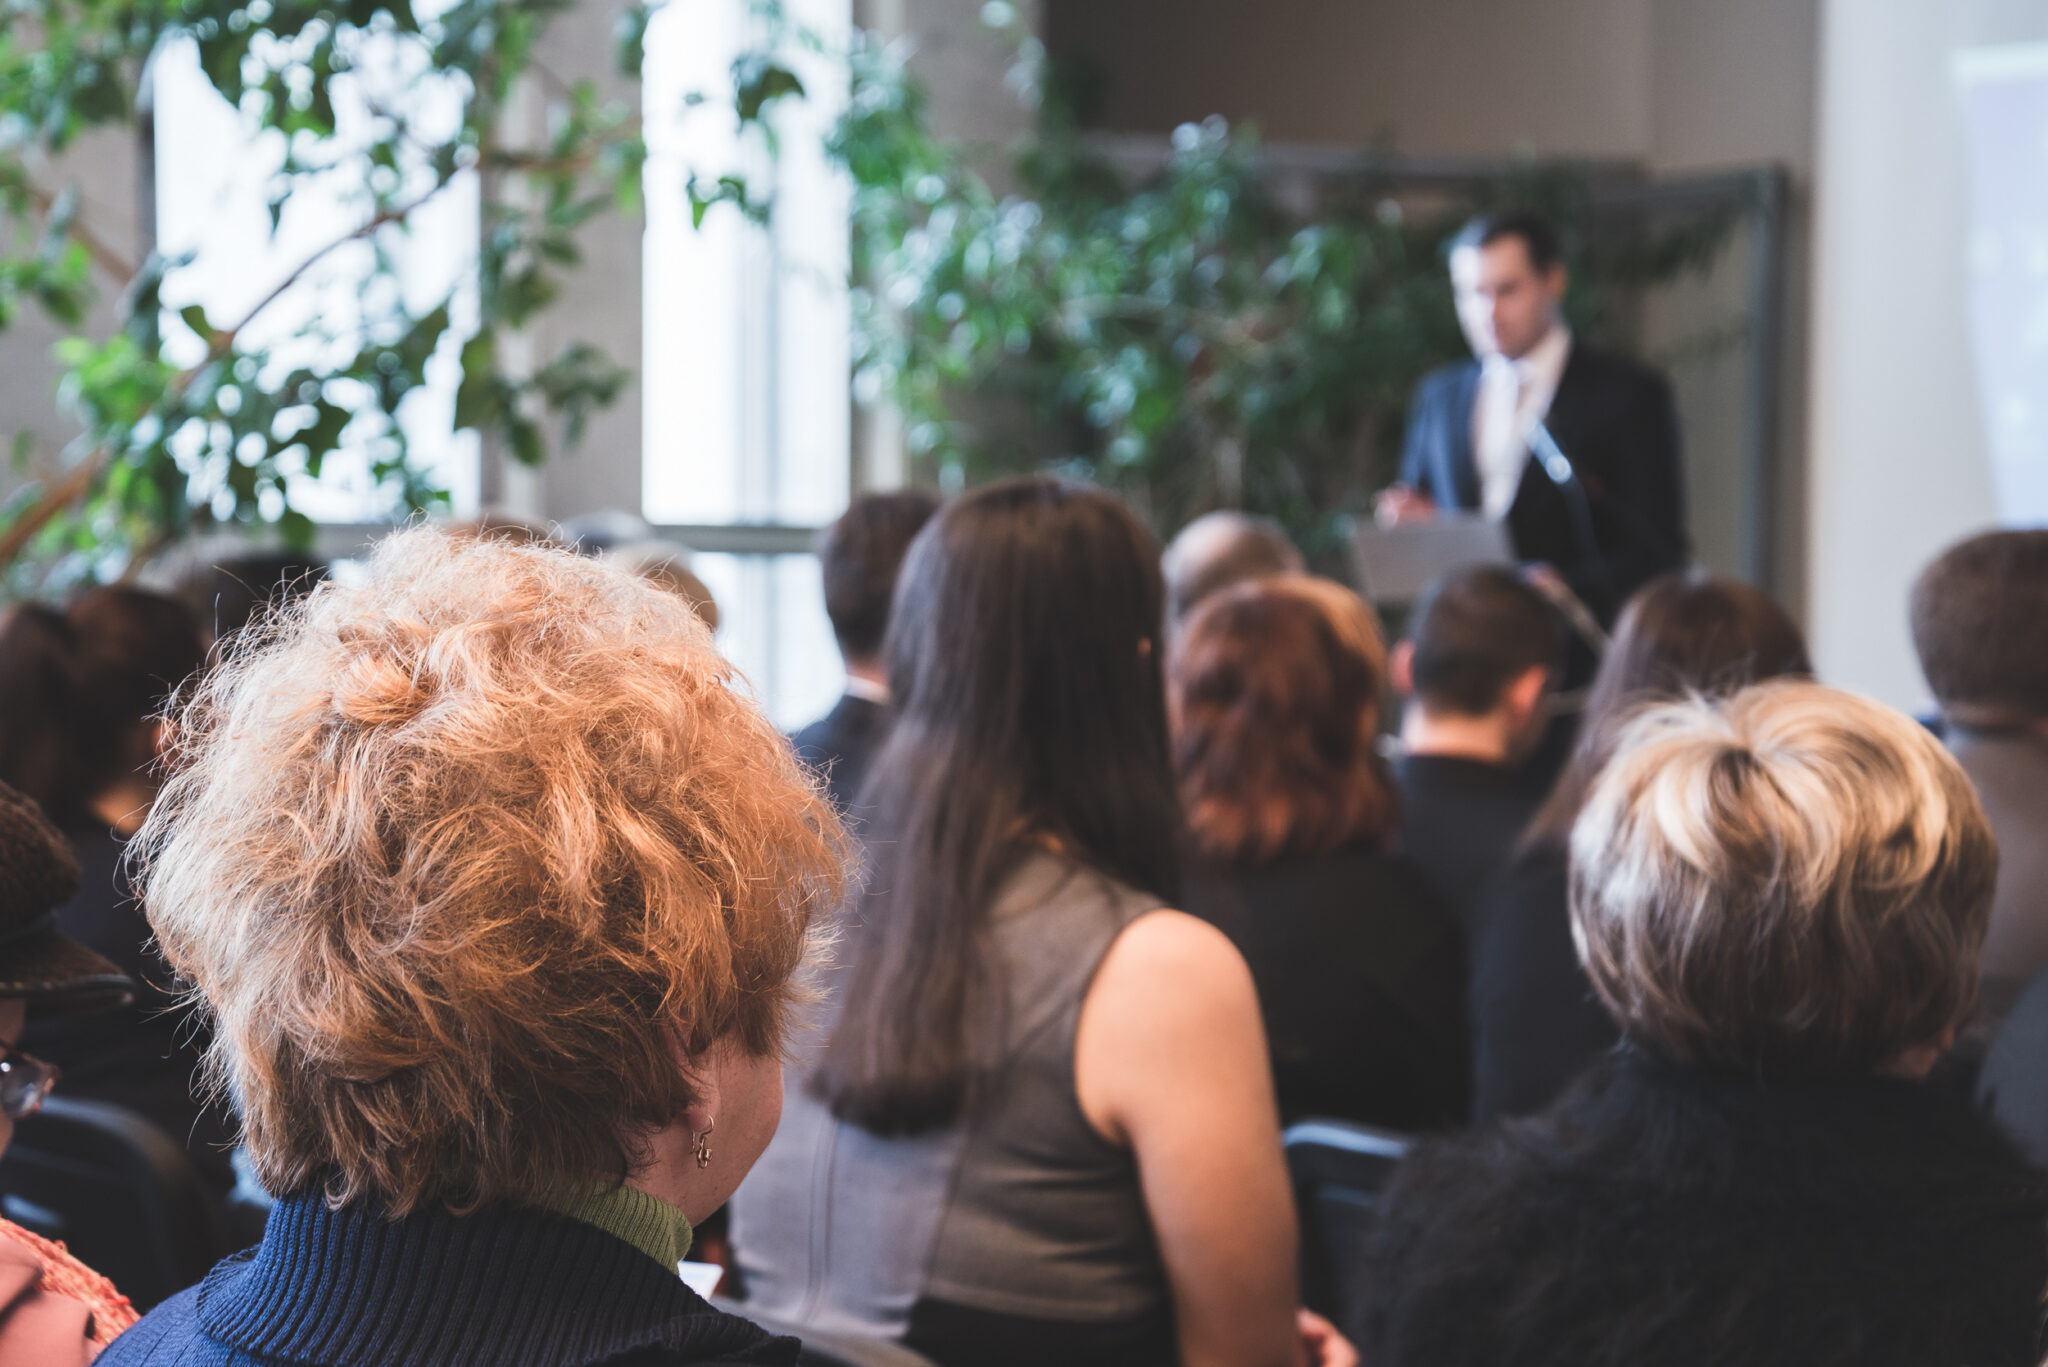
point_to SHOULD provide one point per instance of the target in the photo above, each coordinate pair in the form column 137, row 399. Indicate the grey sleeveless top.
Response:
column 1018, row 1208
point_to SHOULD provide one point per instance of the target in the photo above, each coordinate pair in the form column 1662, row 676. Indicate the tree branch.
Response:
column 224, row 340
column 103, row 255
column 69, row 488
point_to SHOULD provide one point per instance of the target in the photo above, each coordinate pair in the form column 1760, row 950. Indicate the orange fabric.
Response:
column 66, row 1277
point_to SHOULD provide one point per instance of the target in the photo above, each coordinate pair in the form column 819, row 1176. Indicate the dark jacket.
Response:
column 1361, row 978
column 146, row 1055
column 1662, row 1217
column 2009, row 770
column 506, row 1288
column 842, row 742
column 2013, row 1082
column 1460, row 819
column 1617, row 423
column 1535, row 1021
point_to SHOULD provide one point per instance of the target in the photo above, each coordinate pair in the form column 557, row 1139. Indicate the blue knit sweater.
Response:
column 508, row 1288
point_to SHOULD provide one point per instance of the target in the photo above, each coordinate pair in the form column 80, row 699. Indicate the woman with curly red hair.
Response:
column 1274, row 690
column 493, row 884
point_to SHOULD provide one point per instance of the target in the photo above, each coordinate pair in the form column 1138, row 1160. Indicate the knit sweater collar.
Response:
column 504, row 1288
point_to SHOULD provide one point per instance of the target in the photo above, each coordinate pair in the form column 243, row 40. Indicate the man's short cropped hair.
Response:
column 1220, row 550
column 1791, row 882
column 1980, row 623
column 1539, row 238
column 459, row 856
column 860, row 556
column 1476, row 631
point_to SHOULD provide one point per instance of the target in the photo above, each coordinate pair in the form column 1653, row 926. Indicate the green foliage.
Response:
column 1185, row 339
column 222, row 428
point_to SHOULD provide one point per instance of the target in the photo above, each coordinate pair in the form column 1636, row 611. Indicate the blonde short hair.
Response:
column 1794, row 881
column 456, row 856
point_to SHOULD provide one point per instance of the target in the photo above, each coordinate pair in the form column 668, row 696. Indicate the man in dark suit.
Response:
column 860, row 556
column 1619, row 519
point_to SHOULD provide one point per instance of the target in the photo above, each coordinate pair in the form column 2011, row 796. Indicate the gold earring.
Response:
column 703, row 1143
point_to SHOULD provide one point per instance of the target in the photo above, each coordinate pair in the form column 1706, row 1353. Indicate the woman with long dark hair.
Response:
column 1536, row 1023
column 1037, row 1124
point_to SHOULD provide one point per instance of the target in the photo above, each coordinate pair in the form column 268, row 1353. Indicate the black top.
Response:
column 1460, row 819
column 1535, row 1021
column 2014, row 1080
column 506, row 1288
column 1361, row 978
column 842, row 742
column 1617, row 423
column 1662, row 1217
column 144, row 1056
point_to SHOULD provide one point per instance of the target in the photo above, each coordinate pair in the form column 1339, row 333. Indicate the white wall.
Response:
column 1899, row 465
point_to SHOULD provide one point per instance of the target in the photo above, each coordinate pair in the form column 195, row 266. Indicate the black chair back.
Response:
column 1338, row 1168
column 120, row 1193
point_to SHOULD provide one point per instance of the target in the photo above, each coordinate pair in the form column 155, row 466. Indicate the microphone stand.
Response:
column 1558, row 468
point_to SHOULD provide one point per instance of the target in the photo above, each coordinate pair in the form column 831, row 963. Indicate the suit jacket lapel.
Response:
column 1464, row 471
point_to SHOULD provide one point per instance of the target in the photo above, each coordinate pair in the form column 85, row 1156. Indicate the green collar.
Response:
column 648, row 1223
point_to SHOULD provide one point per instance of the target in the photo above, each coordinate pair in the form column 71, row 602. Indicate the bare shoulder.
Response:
column 1170, row 954
column 1173, row 997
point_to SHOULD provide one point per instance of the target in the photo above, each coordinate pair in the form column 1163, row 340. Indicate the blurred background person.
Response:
column 1620, row 519
column 1274, row 691
column 495, row 886
column 667, row 565
column 1536, row 1023
column 1780, row 897
column 1037, row 1124
column 1980, row 625
column 54, row 1311
column 1220, row 549
column 1477, row 669
column 80, row 732
column 226, row 584
column 859, row 556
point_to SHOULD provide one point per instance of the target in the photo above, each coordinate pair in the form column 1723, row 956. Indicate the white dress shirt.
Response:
column 1513, row 397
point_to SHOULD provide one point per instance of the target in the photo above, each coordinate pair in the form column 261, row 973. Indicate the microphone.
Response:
column 1558, row 468
column 1556, row 464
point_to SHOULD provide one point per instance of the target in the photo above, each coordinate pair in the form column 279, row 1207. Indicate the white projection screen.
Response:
column 2003, row 96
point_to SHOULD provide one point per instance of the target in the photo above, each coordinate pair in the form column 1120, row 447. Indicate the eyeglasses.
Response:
column 24, row 1083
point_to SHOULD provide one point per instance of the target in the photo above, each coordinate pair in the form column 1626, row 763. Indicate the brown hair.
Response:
column 859, row 557
column 456, row 855
column 1980, row 624
column 78, row 689
column 1791, row 882
column 1274, row 690
column 1690, row 632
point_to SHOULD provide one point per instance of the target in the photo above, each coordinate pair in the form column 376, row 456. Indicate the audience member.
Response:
column 1980, row 622
column 1477, row 667
column 1535, row 1021
column 226, row 585
column 2012, row 1081
column 668, row 565
column 1220, row 549
column 1038, row 1124
column 79, row 696
column 495, row 885
column 859, row 557
column 1780, row 898
column 1274, row 688
column 54, row 1311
